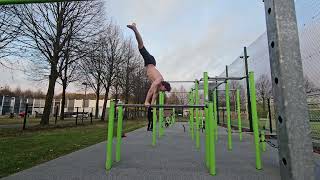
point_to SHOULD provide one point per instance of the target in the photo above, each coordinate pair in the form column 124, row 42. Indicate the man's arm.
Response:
column 152, row 93
column 137, row 34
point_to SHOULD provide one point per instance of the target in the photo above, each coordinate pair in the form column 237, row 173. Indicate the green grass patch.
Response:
column 20, row 150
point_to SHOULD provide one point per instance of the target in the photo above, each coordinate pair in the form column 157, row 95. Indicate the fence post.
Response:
column 110, row 135
column 119, row 133
column 56, row 114
column 206, row 99
column 77, row 115
column 255, row 120
column 161, row 121
column 25, row 117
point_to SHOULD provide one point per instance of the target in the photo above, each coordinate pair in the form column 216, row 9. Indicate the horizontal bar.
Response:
column 178, row 92
column 7, row 2
column 181, row 81
column 225, row 78
column 163, row 106
column 218, row 85
column 229, row 89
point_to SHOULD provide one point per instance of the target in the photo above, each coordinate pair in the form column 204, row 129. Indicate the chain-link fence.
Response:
column 308, row 14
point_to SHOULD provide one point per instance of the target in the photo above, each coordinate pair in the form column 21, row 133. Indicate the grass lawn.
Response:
column 32, row 120
column 20, row 150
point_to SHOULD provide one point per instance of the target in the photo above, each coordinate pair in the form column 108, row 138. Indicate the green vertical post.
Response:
column 110, row 135
column 191, row 111
column 119, row 133
column 154, row 128
column 206, row 99
column 197, row 115
column 255, row 120
column 228, row 116
column 161, row 121
column 239, row 114
column 212, row 146
column 215, row 125
column 174, row 115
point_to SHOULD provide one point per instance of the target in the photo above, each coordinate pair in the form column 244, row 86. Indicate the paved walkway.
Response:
column 174, row 158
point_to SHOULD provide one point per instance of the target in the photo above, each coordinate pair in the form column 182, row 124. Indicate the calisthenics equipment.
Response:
column 253, row 111
column 119, row 107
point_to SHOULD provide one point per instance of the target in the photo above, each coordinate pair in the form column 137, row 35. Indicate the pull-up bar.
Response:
column 225, row 78
column 163, row 106
column 7, row 2
column 181, row 81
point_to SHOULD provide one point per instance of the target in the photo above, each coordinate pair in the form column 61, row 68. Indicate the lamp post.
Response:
column 83, row 101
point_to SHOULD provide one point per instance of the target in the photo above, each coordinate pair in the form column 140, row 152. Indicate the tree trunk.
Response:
column 105, row 103
column 63, row 99
column 96, row 116
column 49, row 98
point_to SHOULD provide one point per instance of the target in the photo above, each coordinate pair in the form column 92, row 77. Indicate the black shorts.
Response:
column 148, row 58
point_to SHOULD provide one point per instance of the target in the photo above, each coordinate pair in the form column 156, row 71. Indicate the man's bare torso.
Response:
column 153, row 74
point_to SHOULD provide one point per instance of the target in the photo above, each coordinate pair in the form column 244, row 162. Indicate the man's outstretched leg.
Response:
column 148, row 58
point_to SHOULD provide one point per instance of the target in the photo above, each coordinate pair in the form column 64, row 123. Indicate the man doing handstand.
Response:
column 158, row 83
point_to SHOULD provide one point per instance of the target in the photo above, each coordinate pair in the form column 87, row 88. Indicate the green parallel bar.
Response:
column 212, row 146
column 206, row 100
column 154, row 128
column 197, row 115
column 255, row 120
column 215, row 125
column 228, row 116
column 119, row 133
column 239, row 114
column 174, row 115
column 161, row 114
column 110, row 135
column 7, row 2
column 191, row 111
column 263, row 140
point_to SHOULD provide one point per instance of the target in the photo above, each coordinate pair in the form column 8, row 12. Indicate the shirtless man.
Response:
column 158, row 84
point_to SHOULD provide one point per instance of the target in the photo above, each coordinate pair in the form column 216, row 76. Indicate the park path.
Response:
column 175, row 157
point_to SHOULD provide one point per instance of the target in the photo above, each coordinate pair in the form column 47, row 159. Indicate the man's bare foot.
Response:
column 133, row 26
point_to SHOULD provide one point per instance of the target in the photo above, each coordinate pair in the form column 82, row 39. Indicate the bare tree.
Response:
column 9, row 30
column 46, row 30
column 309, row 86
column 263, row 88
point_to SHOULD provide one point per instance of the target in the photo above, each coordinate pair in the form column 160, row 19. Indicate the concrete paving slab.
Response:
column 174, row 157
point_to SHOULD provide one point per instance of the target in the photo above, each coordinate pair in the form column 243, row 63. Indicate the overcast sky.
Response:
column 186, row 37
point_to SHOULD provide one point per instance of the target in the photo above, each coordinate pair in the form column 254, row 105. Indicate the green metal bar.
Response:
column 174, row 115
column 191, row 114
column 119, row 133
column 239, row 114
column 212, row 146
column 206, row 99
column 110, row 135
column 255, row 120
column 228, row 117
column 161, row 94
column 215, row 125
column 154, row 128
column 197, row 115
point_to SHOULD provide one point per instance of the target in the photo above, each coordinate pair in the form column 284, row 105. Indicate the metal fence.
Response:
column 308, row 15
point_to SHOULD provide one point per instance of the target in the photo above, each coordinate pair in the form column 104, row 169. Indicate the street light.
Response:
column 85, row 97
